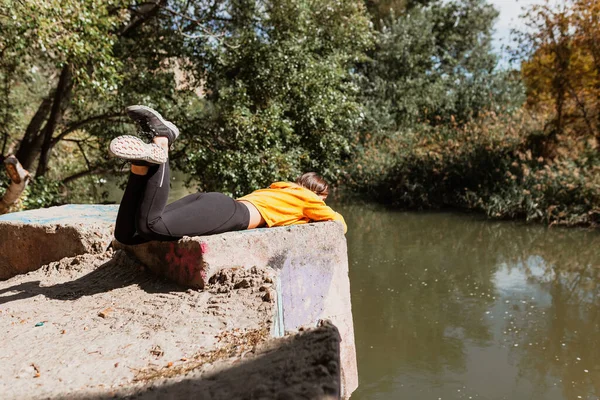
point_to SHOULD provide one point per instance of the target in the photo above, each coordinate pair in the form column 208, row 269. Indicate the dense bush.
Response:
column 484, row 165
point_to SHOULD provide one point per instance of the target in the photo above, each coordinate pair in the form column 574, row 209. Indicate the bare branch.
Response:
column 145, row 12
column 79, row 124
column 87, row 161
column 87, row 172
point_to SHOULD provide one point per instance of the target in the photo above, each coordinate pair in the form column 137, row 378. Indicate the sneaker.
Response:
column 152, row 123
column 134, row 149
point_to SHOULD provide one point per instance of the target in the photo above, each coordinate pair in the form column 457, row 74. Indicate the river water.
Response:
column 452, row 306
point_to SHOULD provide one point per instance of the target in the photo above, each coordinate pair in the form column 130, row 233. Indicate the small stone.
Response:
column 243, row 284
column 105, row 313
column 267, row 296
column 156, row 351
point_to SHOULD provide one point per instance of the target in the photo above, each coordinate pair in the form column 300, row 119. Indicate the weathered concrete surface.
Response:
column 104, row 324
column 33, row 238
column 310, row 263
column 302, row 365
column 98, row 326
column 99, row 313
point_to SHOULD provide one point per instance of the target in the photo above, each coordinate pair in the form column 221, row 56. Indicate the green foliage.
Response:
column 56, row 32
column 414, row 113
column 484, row 165
column 279, row 91
column 281, row 95
column 435, row 65
column 41, row 192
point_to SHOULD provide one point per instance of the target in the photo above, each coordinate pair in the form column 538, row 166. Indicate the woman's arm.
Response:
column 321, row 212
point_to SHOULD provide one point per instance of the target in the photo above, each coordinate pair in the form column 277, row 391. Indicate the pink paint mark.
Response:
column 185, row 262
column 203, row 247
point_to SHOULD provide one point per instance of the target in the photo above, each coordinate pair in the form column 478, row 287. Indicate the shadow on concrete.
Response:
column 302, row 366
column 118, row 272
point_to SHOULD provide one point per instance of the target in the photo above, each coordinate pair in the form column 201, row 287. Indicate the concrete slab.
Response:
column 294, row 276
column 98, row 326
column 302, row 365
column 310, row 265
column 30, row 239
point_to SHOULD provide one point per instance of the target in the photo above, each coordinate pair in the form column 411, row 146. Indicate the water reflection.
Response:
column 454, row 307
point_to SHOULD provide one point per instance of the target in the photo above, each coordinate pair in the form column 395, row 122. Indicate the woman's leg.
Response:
column 144, row 214
column 143, row 196
column 125, row 226
column 193, row 215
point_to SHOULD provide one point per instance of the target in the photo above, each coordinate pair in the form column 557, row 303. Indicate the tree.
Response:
column 281, row 95
column 65, row 40
column 278, row 93
column 562, row 68
column 435, row 64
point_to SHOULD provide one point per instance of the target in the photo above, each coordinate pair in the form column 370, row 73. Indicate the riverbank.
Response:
column 496, row 165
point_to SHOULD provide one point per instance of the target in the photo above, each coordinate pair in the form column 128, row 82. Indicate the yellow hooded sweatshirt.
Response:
column 286, row 203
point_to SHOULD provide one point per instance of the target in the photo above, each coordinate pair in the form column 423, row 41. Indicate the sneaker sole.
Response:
column 143, row 115
column 134, row 149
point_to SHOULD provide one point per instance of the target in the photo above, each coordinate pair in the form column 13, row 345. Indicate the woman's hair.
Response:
column 314, row 182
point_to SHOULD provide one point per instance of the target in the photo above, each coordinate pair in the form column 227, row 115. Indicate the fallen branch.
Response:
column 19, row 178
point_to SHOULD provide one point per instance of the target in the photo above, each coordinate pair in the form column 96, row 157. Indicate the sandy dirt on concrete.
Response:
column 98, row 325
column 303, row 365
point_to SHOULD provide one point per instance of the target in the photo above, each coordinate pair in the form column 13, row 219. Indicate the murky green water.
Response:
column 450, row 306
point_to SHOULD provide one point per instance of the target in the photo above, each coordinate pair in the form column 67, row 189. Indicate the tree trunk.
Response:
column 59, row 103
column 19, row 179
column 31, row 143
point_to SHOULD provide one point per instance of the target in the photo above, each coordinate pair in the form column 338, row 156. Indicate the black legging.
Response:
column 144, row 214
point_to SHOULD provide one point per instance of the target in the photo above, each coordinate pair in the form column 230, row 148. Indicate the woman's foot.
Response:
column 152, row 123
column 134, row 149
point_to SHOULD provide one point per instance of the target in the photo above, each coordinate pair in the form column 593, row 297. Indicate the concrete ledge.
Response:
column 30, row 239
column 310, row 266
column 191, row 261
column 264, row 281
column 99, row 326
